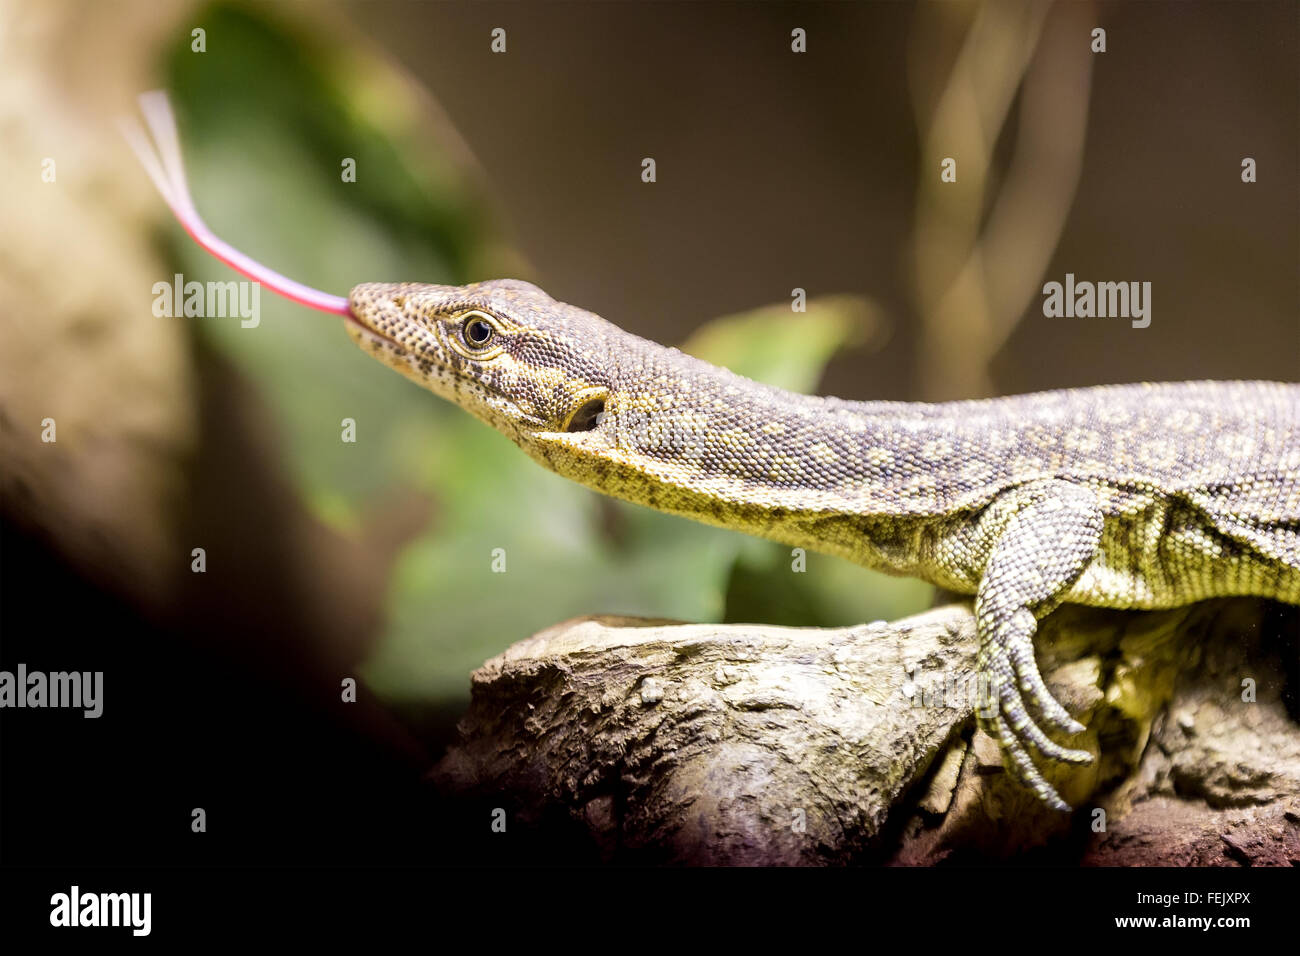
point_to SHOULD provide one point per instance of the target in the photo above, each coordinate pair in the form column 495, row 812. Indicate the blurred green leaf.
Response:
column 265, row 132
column 829, row 592
column 265, row 171
column 450, row 609
column 783, row 348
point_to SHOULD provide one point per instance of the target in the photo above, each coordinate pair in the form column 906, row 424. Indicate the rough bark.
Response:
column 745, row 744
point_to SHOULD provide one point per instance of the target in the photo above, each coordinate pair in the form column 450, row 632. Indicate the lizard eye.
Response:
column 477, row 330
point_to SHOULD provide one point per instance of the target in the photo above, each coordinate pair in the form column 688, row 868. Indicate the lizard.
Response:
column 1138, row 496
column 1123, row 496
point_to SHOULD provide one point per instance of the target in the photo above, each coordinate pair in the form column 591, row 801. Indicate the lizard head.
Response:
column 503, row 350
column 584, row 398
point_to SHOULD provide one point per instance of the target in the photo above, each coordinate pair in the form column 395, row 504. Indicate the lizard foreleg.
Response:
column 1053, row 532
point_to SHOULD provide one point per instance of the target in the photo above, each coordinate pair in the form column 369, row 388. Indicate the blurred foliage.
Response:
column 266, row 122
column 766, row 345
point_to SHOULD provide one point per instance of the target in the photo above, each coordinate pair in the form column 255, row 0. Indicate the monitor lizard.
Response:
column 1122, row 496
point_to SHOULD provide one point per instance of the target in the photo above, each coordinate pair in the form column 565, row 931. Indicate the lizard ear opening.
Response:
column 587, row 415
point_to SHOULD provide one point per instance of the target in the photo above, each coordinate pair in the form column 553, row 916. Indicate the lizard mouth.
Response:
column 359, row 327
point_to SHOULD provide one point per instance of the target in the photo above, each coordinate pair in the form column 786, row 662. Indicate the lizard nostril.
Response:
column 399, row 301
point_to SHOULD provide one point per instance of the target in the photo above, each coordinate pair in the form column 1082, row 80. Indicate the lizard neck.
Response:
column 682, row 436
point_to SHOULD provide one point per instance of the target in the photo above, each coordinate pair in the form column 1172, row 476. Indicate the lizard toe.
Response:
column 1003, row 716
column 1020, row 650
column 1026, row 729
column 1022, row 766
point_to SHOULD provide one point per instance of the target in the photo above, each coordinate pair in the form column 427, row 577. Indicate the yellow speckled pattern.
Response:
column 1129, row 496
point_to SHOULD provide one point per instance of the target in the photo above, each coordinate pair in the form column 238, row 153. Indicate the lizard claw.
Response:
column 1020, row 649
column 1021, row 763
column 1006, row 719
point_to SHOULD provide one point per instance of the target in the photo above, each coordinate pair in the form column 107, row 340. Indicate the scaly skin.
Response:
column 1131, row 496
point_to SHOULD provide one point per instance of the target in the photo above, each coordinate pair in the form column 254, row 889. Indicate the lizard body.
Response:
column 1131, row 496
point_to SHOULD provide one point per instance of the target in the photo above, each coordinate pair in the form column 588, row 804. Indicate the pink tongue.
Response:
column 165, row 168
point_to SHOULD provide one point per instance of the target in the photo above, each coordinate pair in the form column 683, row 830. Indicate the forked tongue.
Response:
column 161, row 159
